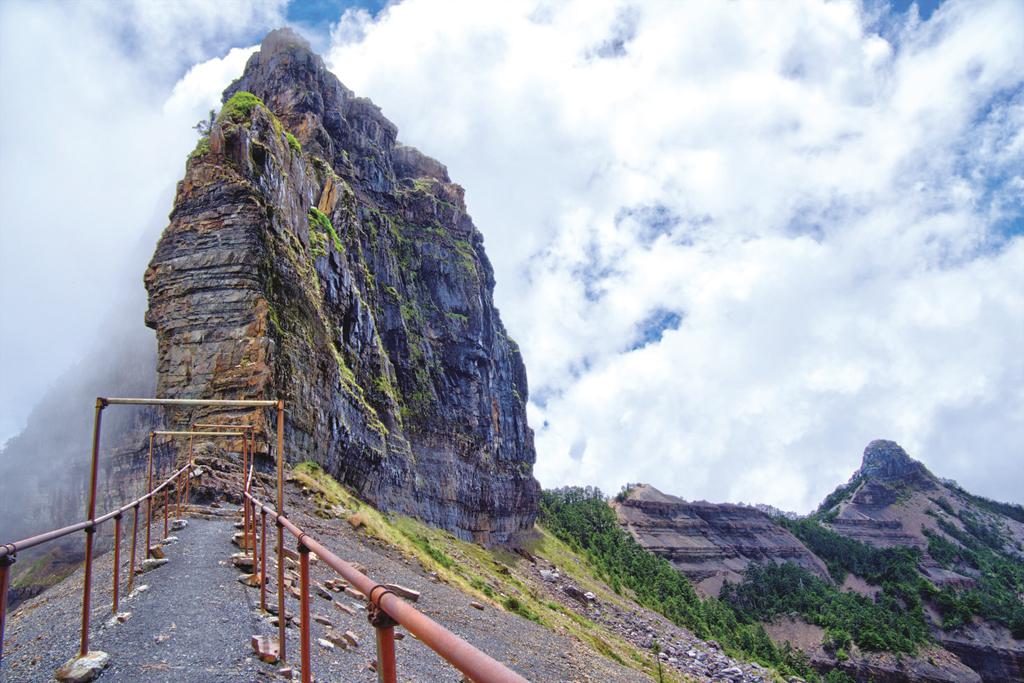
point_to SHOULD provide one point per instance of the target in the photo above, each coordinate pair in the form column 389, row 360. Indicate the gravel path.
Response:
column 195, row 621
column 192, row 623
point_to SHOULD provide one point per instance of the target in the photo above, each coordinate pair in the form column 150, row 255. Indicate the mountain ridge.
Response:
column 891, row 506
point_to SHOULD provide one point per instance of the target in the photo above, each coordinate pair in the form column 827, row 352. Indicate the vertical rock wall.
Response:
column 311, row 257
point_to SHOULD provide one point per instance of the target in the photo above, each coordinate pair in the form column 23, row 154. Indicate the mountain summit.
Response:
column 887, row 461
column 311, row 257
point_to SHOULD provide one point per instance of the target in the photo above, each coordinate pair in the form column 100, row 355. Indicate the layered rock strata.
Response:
column 710, row 543
column 313, row 258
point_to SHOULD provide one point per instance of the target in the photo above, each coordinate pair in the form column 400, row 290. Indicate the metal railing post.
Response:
column 188, row 476
column 117, row 559
column 252, row 526
column 90, row 531
column 263, row 560
column 305, row 628
column 386, row 669
column 281, row 637
column 5, row 582
column 165, row 513
column 245, row 490
column 177, row 496
column 280, row 531
column 149, row 499
column 135, row 535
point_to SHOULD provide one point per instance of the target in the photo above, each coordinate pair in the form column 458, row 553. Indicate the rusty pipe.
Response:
column 263, row 560
column 252, row 525
column 387, row 671
column 5, row 582
column 305, row 628
column 149, row 499
column 192, row 432
column 226, row 403
column 281, row 636
column 243, row 481
column 280, row 530
column 12, row 549
column 135, row 534
column 191, row 464
column 90, row 530
column 117, row 560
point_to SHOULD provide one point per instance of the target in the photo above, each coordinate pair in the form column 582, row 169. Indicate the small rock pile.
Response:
column 677, row 647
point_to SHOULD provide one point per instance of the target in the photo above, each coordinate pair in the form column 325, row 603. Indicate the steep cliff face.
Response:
column 311, row 257
column 710, row 543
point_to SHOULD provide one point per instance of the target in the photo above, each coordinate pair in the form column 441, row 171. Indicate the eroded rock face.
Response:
column 710, row 543
column 894, row 501
column 346, row 278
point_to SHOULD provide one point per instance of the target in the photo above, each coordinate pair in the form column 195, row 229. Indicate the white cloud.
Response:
column 816, row 191
column 94, row 137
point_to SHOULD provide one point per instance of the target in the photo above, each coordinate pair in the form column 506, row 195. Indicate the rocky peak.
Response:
column 886, row 460
column 311, row 257
column 325, row 116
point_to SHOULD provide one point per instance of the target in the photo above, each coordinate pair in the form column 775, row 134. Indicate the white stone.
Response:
column 151, row 563
column 83, row 669
column 118, row 618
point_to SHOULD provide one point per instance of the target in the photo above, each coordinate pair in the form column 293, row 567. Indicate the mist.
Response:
column 98, row 107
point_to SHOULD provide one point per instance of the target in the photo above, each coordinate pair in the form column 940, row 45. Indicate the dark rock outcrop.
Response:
column 710, row 543
column 339, row 270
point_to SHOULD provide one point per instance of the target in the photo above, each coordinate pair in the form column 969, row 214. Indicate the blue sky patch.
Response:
column 652, row 328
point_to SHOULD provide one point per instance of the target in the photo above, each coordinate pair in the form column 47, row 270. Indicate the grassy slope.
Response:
column 496, row 577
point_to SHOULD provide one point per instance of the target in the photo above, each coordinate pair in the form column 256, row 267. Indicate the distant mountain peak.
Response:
column 886, row 460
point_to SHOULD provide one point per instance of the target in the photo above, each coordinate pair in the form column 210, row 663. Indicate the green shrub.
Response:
column 240, row 106
column 319, row 220
column 202, row 147
column 293, row 143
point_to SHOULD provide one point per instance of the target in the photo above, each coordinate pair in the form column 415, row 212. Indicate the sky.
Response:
column 735, row 241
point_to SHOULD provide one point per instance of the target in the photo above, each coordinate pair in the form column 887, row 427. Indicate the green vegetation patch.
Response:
column 999, row 577
column 239, row 108
column 582, row 518
column 319, row 220
column 202, row 148
column 769, row 591
column 293, row 143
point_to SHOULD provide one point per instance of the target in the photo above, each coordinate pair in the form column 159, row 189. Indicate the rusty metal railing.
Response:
column 385, row 611
column 8, row 551
column 385, row 608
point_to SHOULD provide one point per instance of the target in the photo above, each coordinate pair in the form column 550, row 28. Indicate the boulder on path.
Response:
column 83, row 669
